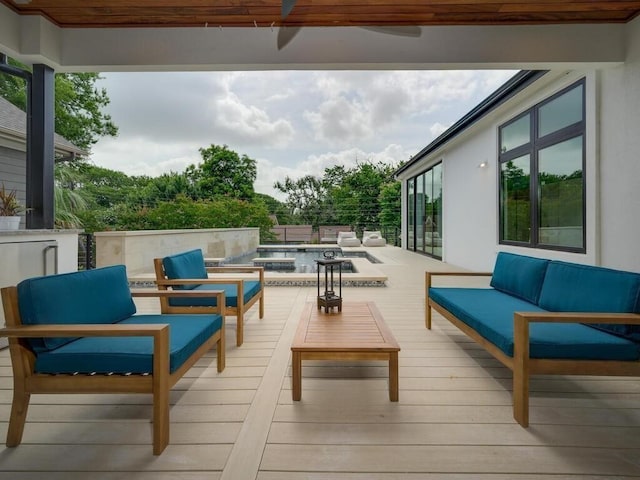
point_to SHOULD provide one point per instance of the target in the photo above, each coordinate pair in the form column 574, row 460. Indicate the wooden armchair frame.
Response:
column 158, row 383
column 521, row 365
column 164, row 283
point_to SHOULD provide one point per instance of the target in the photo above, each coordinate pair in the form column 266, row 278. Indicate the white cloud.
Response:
column 292, row 122
column 437, row 129
column 245, row 123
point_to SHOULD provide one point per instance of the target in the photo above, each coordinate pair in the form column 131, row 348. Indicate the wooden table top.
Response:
column 359, row 327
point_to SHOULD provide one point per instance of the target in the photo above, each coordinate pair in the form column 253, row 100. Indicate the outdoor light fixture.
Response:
column 483, row 164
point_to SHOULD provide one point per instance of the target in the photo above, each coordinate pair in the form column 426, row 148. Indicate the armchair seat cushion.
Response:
column 490, row 313
column 250, row 289
column 131, row 354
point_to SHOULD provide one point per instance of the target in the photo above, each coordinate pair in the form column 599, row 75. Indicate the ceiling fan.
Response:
column 286, row 33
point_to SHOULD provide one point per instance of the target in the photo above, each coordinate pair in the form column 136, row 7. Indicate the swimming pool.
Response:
column 295, row 259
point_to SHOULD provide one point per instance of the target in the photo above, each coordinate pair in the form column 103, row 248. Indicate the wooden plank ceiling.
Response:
column 266, row 13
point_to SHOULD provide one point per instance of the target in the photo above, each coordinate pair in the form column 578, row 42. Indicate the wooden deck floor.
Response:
column 453, row 420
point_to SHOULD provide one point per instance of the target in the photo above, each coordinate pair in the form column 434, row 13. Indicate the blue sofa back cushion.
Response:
column 519, row 275
column 570, row 287
column 131, row 354
column 100, row 296
column 490, row 313
column 250, row 288
column 185, row 265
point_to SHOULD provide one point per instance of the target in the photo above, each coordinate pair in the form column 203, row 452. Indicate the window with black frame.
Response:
column 542, row 182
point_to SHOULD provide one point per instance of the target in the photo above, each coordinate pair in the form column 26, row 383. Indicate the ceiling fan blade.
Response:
column 401, row 30
column 285, row 35
column 287, row 6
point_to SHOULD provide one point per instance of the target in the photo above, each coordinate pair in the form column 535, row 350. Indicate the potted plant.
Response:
column 10, row 209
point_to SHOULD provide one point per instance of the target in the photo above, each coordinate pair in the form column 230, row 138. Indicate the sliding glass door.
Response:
column 424, row 212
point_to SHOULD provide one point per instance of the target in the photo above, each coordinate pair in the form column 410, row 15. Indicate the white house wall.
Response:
column 470, row 194
column 469, row 199
column 620, row 158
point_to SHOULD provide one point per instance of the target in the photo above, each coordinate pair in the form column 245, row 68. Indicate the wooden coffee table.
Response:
column 358, row 332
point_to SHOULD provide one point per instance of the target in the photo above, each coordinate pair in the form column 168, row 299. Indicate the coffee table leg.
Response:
column 393, row 377
column 296, row 375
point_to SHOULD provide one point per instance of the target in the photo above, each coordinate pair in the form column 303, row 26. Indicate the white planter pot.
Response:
column 9, row 223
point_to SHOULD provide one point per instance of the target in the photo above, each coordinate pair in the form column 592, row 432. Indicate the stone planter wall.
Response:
column 137, row 249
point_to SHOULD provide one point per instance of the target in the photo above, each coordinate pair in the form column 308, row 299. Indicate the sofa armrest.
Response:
column 87, row 330
column 239, row 269
column 429, row 275
column 521, row 321
column 521, row 367
column 198, row 281
column 147, row 293
column 576, row 317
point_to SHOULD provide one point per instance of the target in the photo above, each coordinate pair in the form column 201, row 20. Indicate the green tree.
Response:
column 276, row 208
column 78, row 105
column 68, row 200
column 106, row 188
column 166, row 187
column 306, row 198
column 223, row 173
column 390, row 215
column 357, row 197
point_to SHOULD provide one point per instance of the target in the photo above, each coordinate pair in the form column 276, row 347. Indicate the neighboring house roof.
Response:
column 13, row 125
column 515, row 84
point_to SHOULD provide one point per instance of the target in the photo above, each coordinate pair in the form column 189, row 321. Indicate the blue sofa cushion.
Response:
column 131, row 354
column 101, row 296
column 185, row 265
column 570, row 287
column 250, row 288
column 519, row 275
column 490, row 313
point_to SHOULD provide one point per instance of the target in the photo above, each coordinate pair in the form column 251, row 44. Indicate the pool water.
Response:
column 304, row 259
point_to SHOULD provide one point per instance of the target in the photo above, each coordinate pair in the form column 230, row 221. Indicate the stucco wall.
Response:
column 137, row 249
column 620, row 158
column 470, row 220
column 471, row 237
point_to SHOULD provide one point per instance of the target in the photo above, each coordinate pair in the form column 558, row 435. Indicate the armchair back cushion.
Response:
column 101, row 296
column 519, row 275
column 185, row 265
column 570, row 287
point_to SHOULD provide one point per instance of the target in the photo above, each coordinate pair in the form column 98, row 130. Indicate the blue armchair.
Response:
column 187, row 271
column 79, row 333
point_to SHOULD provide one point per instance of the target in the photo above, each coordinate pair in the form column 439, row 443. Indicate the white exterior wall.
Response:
column 471, row 193
column 612, row 173
column 469, row 199
column 620, row 158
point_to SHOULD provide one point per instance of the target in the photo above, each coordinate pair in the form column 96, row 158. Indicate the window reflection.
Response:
column 515, row 199
column 515, row 134
column 561, row 194
column 561, row 112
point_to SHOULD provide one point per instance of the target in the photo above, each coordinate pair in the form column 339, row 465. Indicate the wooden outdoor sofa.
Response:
column 547, row 317
column 79, row 333
column 187, row 271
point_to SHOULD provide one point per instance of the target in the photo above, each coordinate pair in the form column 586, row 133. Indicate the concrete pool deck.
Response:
column 367, row 274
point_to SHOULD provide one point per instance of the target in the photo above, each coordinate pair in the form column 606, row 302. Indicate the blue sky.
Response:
column 293, row 123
